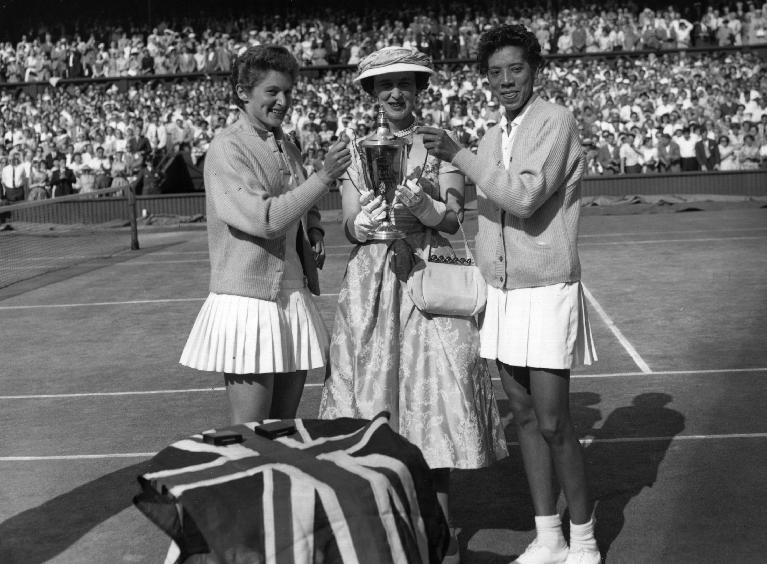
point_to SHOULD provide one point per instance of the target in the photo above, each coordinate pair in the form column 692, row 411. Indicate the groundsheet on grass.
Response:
column 667, row 203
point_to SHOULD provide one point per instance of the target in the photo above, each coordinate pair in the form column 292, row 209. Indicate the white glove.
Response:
column 370, row 217
column 429, row 211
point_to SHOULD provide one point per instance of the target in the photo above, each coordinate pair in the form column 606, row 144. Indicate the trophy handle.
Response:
column 354, row 147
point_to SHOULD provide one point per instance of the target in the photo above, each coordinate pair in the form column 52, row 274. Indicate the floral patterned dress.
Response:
column 386, row 355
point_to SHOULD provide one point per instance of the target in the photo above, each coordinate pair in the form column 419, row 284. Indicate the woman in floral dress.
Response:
column 385, row 354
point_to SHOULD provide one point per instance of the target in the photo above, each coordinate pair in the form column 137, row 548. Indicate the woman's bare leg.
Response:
column 550, row 390
column 286, row 394
column 250, row 396
column 536, row 456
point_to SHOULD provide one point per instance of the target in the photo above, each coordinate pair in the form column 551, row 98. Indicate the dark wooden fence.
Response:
column 190, row 207
column 735, row 183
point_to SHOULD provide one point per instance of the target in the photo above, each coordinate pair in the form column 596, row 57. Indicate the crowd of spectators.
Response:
column 663, row 112
column 173, row 47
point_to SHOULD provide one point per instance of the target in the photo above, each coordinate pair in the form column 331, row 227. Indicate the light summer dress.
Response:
column 423, row 369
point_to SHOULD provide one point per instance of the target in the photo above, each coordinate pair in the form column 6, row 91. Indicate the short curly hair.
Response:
column 502, row 36
column 253, row 64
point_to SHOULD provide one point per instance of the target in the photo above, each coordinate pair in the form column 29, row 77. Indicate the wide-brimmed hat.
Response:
column 393, row 59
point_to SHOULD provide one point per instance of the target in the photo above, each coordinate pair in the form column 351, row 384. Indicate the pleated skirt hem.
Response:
column 545, row 327
column 241, row 335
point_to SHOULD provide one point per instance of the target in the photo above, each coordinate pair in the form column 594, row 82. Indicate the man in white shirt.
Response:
column 14, row 180
column 663, row 106
column 758, row 107
column 631, row 158
column 687, row 150
column 102, row 168
column 157, row 135
column 344, row 123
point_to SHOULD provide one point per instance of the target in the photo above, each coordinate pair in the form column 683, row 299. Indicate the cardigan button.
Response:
column 500, row 258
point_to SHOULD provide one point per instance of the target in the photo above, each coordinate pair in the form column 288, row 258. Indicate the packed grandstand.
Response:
column 654, row 90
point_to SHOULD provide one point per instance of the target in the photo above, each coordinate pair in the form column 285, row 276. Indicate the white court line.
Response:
column 470, row 241
column 319, row 384
column 580, row 236
column 77, row 456
column 628, row 243
column 163, row 261
column 347, row 248
column 588, row 441
column 585, row 441
column 653, row 241
column 645, row 233
column 130, row 302
column 90, row 304
column 617, row 332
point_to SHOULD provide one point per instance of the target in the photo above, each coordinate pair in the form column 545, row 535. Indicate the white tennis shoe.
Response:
column 583, row 556
column 536, row 553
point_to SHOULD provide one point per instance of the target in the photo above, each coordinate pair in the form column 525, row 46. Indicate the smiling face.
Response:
column 269, row 100
column 396, row 92
column 511, row 78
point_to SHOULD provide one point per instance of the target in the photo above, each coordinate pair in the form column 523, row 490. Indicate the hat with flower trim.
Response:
column 393, row 59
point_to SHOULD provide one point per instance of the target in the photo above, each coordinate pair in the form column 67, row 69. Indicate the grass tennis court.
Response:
column 672, row 416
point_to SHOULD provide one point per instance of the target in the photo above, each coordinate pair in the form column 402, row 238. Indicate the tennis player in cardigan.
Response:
column 259, row 325
column 528, row 173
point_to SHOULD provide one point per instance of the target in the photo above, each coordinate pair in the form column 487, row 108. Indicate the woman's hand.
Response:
column 317, row 240
column 371, row 215
column 429, row 211
column 338, row 159
column 409, row 194
column 438, row 143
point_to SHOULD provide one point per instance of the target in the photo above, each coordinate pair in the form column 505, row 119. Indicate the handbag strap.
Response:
column 469, row 254
column 428, row 243
column 465, row 241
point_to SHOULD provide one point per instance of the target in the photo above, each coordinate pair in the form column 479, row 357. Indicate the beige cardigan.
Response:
column 249, row 211
column 528, row 216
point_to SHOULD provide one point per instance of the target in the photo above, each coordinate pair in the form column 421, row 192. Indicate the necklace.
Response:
column 408, row 131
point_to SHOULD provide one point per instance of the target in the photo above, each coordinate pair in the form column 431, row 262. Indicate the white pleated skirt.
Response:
column 544, row 327
column 240, row 335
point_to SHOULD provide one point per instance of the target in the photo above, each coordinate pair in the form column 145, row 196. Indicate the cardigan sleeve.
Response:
column 241, row 200
column 537, row 170
column 313, row 216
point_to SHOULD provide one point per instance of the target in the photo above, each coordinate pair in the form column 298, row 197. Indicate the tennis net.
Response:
column 48, row 235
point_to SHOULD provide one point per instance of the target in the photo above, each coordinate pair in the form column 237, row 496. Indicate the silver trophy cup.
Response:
column 384, row 165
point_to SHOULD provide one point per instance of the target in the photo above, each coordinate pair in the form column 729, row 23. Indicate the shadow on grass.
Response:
column 41, row 533
column 618, row 469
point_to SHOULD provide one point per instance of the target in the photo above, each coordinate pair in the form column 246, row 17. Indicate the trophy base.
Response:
column 387, row 233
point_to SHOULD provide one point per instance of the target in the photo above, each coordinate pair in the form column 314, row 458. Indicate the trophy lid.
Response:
column 382, row 136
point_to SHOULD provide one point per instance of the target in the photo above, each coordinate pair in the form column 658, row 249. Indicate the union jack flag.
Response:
column 348, row 491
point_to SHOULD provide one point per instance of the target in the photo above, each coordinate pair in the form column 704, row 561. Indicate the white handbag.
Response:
column 447, row 285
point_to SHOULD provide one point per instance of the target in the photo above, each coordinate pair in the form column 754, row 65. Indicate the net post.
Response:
column 132, row 216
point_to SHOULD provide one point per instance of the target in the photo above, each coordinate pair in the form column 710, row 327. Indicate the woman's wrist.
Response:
column 350, row 230
column 324, row 177
column 429, row 211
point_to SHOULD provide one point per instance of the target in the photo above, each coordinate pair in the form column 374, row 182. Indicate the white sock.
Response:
column 582, row 536
column 548, row 529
